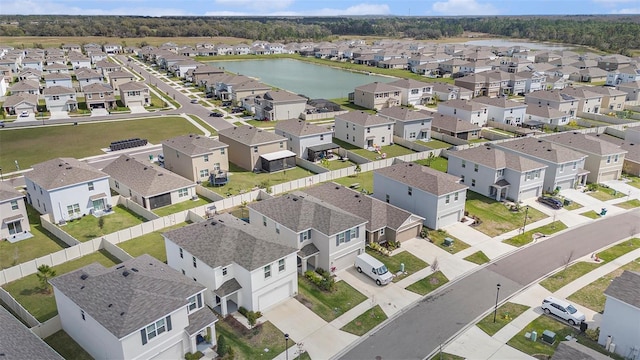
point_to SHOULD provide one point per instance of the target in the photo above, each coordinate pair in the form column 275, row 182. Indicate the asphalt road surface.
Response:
column 420, row 330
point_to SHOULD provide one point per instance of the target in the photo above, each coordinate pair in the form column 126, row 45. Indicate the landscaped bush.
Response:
column 321, row 278
column 379, row 248
column 193, row 356
column 251, row 316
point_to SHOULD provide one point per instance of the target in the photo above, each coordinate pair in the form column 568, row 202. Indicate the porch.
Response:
column 202, row 332
column 226, row 297
column 581, row 177
column 308, row 258
column 15, row 229
column 499, row 190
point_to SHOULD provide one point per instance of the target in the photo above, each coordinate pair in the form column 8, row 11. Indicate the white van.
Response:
column 374, row 268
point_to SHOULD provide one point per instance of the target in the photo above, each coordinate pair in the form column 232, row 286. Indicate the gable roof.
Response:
column 467, row 105
column 409, row 83
column 497, row 159
column 194, row 144
column 363, row 118
column 551, row 95
column 500, row 102
column 280, row 95
column 452, row 124
column 377, row 87
column 132, row 86
column 17, row 342
column 299, row 127
column 25, row 85
column 119, row 74
column 62, row 172
column 423, row 178
column 119, row 297
column 586, row 143
column 633, row 149
column 626, row 288
column 97, row 88
column 13, row 100
column 543, row 149
column 249, row 135
column 225, row 239
column 545, row 111
column 58, row 90
column 8, row 192
column 403, row 114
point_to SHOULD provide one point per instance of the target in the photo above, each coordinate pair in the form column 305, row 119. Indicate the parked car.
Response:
column 237, row 110
column 226, row 103
column 563, row 310
column 1, row 124
column 216, row 114
column 25, row 113
column 210, row 95
column 549, row 201
column 194, row 101
column 374, row 268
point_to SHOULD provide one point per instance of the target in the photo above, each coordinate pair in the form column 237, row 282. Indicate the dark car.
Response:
column 216, row 114
column 551, row 202
column 237, row 110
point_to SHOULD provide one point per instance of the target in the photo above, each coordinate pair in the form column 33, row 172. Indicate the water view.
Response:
column 312, row 80
column 529, row 44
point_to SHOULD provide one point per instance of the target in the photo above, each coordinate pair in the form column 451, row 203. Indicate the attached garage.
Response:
column 564, row 185
column 529, row 193
column 159, row 201
column 346, row 261
column 448, row 219
column 174, row 352
column 607, row 176
column 409, row 233
column 274, row 296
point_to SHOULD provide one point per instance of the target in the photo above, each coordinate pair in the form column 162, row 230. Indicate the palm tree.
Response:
column 45, row 272
column 357, row 170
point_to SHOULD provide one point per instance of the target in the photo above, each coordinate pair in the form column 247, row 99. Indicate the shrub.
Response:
column 592, row 187
column 321, row 278
column 379, row 248
column 193, row 356
column 222, row 348
column 593, row 334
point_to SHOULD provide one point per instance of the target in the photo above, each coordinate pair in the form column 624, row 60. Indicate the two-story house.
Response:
column 377, row 96
column 473, row 112
column 503, row 110
column 66, row 189
column 589, row 102
column 139, row 309
column 555, row 99
column 279, row 105
column 255, row 149
column 20, row 342
column 117, row 78
column 326, row 236
column 620, row 327
column 623, row 75
column 57, row 79
column 497, row 174
column 88, row 76
column 58, row 98
column 546, row 114
column 308, row 141
column 437, row 197
column 16, row 104
column 99, row 96
column 134, row 94
column 195, row 156
column 240, row 264
column 612, row 99
column 364, row 130
column 413, row 92
column 14, row 223
column 453, row 126
column 25, row 87
column 408, row 124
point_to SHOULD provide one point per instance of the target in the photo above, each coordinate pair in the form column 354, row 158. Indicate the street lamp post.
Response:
column 526, row 213
column 286, row 349
column 1, row 179
column 495, row 310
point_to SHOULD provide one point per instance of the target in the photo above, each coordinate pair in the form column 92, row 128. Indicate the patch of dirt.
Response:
column 304, row 301
column 434, row 281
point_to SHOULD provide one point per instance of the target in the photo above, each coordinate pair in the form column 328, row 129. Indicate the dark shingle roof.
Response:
column 17, row 342
column 194, row 144
column 571, row 350
column 633, row 149
column 453, row 124
column 199, row 319
column 123, row 303
column 299, row 127
column 626, row 288
column 61, row 172
column 249, row 135
column 225, row 239
column 423, row 178
column 497, row 159
column 280, row 95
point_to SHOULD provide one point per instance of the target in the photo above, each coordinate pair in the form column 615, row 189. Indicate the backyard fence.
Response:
column 17, row 308
column 448, row 138
column 604, row 118
column 412, row 145
column 48, row 328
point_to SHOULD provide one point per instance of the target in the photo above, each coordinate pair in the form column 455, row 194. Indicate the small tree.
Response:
column 430, row 159
column 435, row 266
column 357, row 169
column 45, row 272
column 243, row 206
column 101, row 223
column 222, row 348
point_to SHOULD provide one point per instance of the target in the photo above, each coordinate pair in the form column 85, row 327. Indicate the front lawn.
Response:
column 181, row 206
column 539, row 325
column 446, row 356
column 88, row 227
column 67, row 347
column 496, row 217
column 605, row 193
column 478, row 257
column 618, row 250
column 632, row 180
column 365, row 322
column 434, row 144
column 504, row 315
column 527, row 237
column 591, row 214
column 261, row 123
column 364, row 181
column 573, row 206
column 151, row 243
column 265, row 343
column 630, row 204
column 241, row 180
column 40, row 303
column 437, row 163
column 328, row 305
column 556, row 281
column 428, row 284
column 437, row 238
column 412, row 264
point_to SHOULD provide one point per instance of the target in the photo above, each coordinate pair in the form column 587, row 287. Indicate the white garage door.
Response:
column 346, row 261
column 448, row 219
column 274, row 296
column 611, row 175
column 564, row 185
column 172, row 353
column 529, row 193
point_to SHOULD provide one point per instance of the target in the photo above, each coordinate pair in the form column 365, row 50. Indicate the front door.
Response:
column 98, row 205
column 370, row 143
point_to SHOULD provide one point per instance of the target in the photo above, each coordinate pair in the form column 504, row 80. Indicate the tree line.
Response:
column 616, row 34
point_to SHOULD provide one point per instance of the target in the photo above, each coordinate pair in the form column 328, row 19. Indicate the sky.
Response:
column 317, row 7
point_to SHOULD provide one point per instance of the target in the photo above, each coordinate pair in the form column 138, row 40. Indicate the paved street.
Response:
column 420, row 330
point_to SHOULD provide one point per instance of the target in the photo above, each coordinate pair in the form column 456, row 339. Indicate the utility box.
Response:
column 448, row 241
column 548, row 336
column 534, row 336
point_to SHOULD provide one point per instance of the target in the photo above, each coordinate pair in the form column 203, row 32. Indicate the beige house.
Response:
column 247, row 89
column 278, row 105
column 195, row 156
column 99, row 96
column 14, row 221
column 555, row 99
column 377, row 96
column 364, row 130
column 589, row 102
column 253, row 148
column 134, row 94
column 612, row 99
column 117, row 78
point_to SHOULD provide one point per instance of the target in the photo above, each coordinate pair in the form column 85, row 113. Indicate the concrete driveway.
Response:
column 137, row 109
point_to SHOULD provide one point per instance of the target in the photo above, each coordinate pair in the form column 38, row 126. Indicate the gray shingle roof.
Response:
column 119, row 74
column 542, row 149
column 299, row 127
column 626, row 288
column 500, row 102
column 24, row 85
column 61, row 172
column 452, row 123
column 633, row 149
column 194, row 144
column 422, row 178
column 409, row 83
column 132, row 86
column 363, row 118
column 467, row 105
column 249, row 135
column 8, row 192
column 586, row 143
column 377, row 87
column 401, row 114
column 199, row 319
column 497, row 159
column 97, row 88
column 299, row 212
column 551, row 95
column 545, row 111
column 13, row 100
column 57, row 76
column 17, row 342
column 58, row 90
column 225, row 239
column 280, row 95
column 125, row 304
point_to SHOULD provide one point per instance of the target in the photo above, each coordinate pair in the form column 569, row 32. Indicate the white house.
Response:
column 87, row 76
column 546, row 114
column 620, row 327
column 408, row 124
column 364, row 130
column 239, row 263
column 473, row 112
column 308, row 141
column 503, row 110
column 437, row 197
column 623, row 75
column 139, row 309
column 58, row 99
column 326, row 236
column 66, row 189
column 413, row 92
column 57, row 79
column 14, row 223
column 497, row 174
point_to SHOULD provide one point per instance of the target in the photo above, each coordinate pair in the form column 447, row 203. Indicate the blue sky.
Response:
column 318, row 7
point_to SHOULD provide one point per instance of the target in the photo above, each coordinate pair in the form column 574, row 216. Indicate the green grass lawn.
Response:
column 446, row 356
column 365, row 180
column 151, row 243
column 391, row 151
column 241, row 180
column 337, row 164
column 438, row 236
column 592, row 295
column 507, row 312
column 618, row 250
column 527, row 237
column 539, row 325
column 253, row 345
column 630, row 204
column 181, row 206
column 573, row 206
column 478, row 257
column 435, row 144
column 632, row 180
column 87, row 228
column 261, row 123
column 496, row 217
column 437, row 163
column 328, row 305
column 40, row 303
column 204, row 124
column 365, row 322
column 565, row 276
column 428, row 284
column 67, row 347
column 411, row 263
column 591, row 214
column 344, row 103
column 605, row 193
column 33, row 145
column 41, row 244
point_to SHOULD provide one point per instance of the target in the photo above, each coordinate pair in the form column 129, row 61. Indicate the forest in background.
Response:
column 614, row 34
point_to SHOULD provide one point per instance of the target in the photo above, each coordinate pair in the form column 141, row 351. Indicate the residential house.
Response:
column 16, row 104
column 134, row 94
column 631, row 164
column 473, row 112
column 413, row 92
column 436, row 196
column 255, row 149
column 565, row 167
column 80, row 61
column 87, row 76
column 444, row 92
column 32, row 63
column 363, row 130
column 589, row 102
column 452, row 66
column 58, row 98
column 148, row 185
column 497, row 174
column 308, row 141
column 475, row 67
column 479, row 84
column 326, row 236
column 503, row 110
column 19, row 342
column 408, row 124
column 180, row 68
column 139, row 309
column 28, row 74
column 56, row 67
column 453, row 126
column 377, row 96
column 534, row 80
column 278, row 105
column 67, row 189
column 555, row 99
column 240, row 264
column 112, row 48
column 14, row 223
column 117, row 78
column 97, row 57
column 633, row 92
column 195, row 156
column 203, row 71
column 385, row 222
column 544, row 114
column 106, row 67
column 612, row 99
column 553, row 82
column 613, row 62
column 588, row 75
column 604, row 160
column 25, row 87
column 57, row 79
column 623, row 75
column 236, row 92
column 620, row 327
column 99, row 96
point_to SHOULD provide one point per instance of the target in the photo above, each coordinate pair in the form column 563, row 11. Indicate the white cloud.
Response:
column 47, row 7
column 463, row 7
column 633, row 11
column 359, row 9
column 256, row 4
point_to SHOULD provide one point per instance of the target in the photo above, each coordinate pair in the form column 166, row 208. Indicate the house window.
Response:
column 91, row 187
column 347, row 136
column 561, row 167
column 341, row 239
column 116, row 184
column 321, row 137
column 464, row 164
column 353, row 233
column 82, row 314
column 412, row 135
column 447, row 199
column 155, row 329
column 475, row 167
column 455, row 197
column 281, row 265
column 306, row 235
column 195, row 302
column 222, row 151
column 368, row 130
column 347, row 125
column 181, row 254
column 455, row 111
column 461, row 178
column 264, row 221
column 500, row 172
column 277, row 228
column 473, row 182
column 225, row 271
column 204, row 173
column 382, row 140
column 206, row 158
column 387, row 197
column 615, row 158
column 184, row 272
column 409, row 190
column 56, row 97
column 281, row 144
column 14, row 205
column 575, row 165
column 267, row 271
column 255, row 149
column 73, row 210
column 183, row 192
column 195, row 261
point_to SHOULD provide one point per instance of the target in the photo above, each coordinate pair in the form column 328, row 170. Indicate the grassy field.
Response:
column 181, row 206
column 605, row 193
column 632, row 180
column 437, row 163
column 87, row 227
column 412, row 264
column 504, row 315
column 34, row 145
column 365, row 322
column 496, row 217
column 428, row 284
column 478, row 257
column 527, row 237
column 391, row 150
column 365, row 180
column 630, row 204
column 241, row 180
column 328, row 305
column 539, row 325
column 435, row 144
column 565, row 276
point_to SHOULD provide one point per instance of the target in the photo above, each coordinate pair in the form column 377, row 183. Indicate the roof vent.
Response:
column 120, row 267
column 127, row 159
column 84, row 276
column 295, row 199
column 134, row 269
column 214, row 223
column 81, row 287
column 68, row 168
column 357, row 195
column 60, row 165
column 539, row 141
column 110, row 305
column 145, row 168
column 337, row 187
column 122, row 313
column 125, row 273
column 161, row 174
